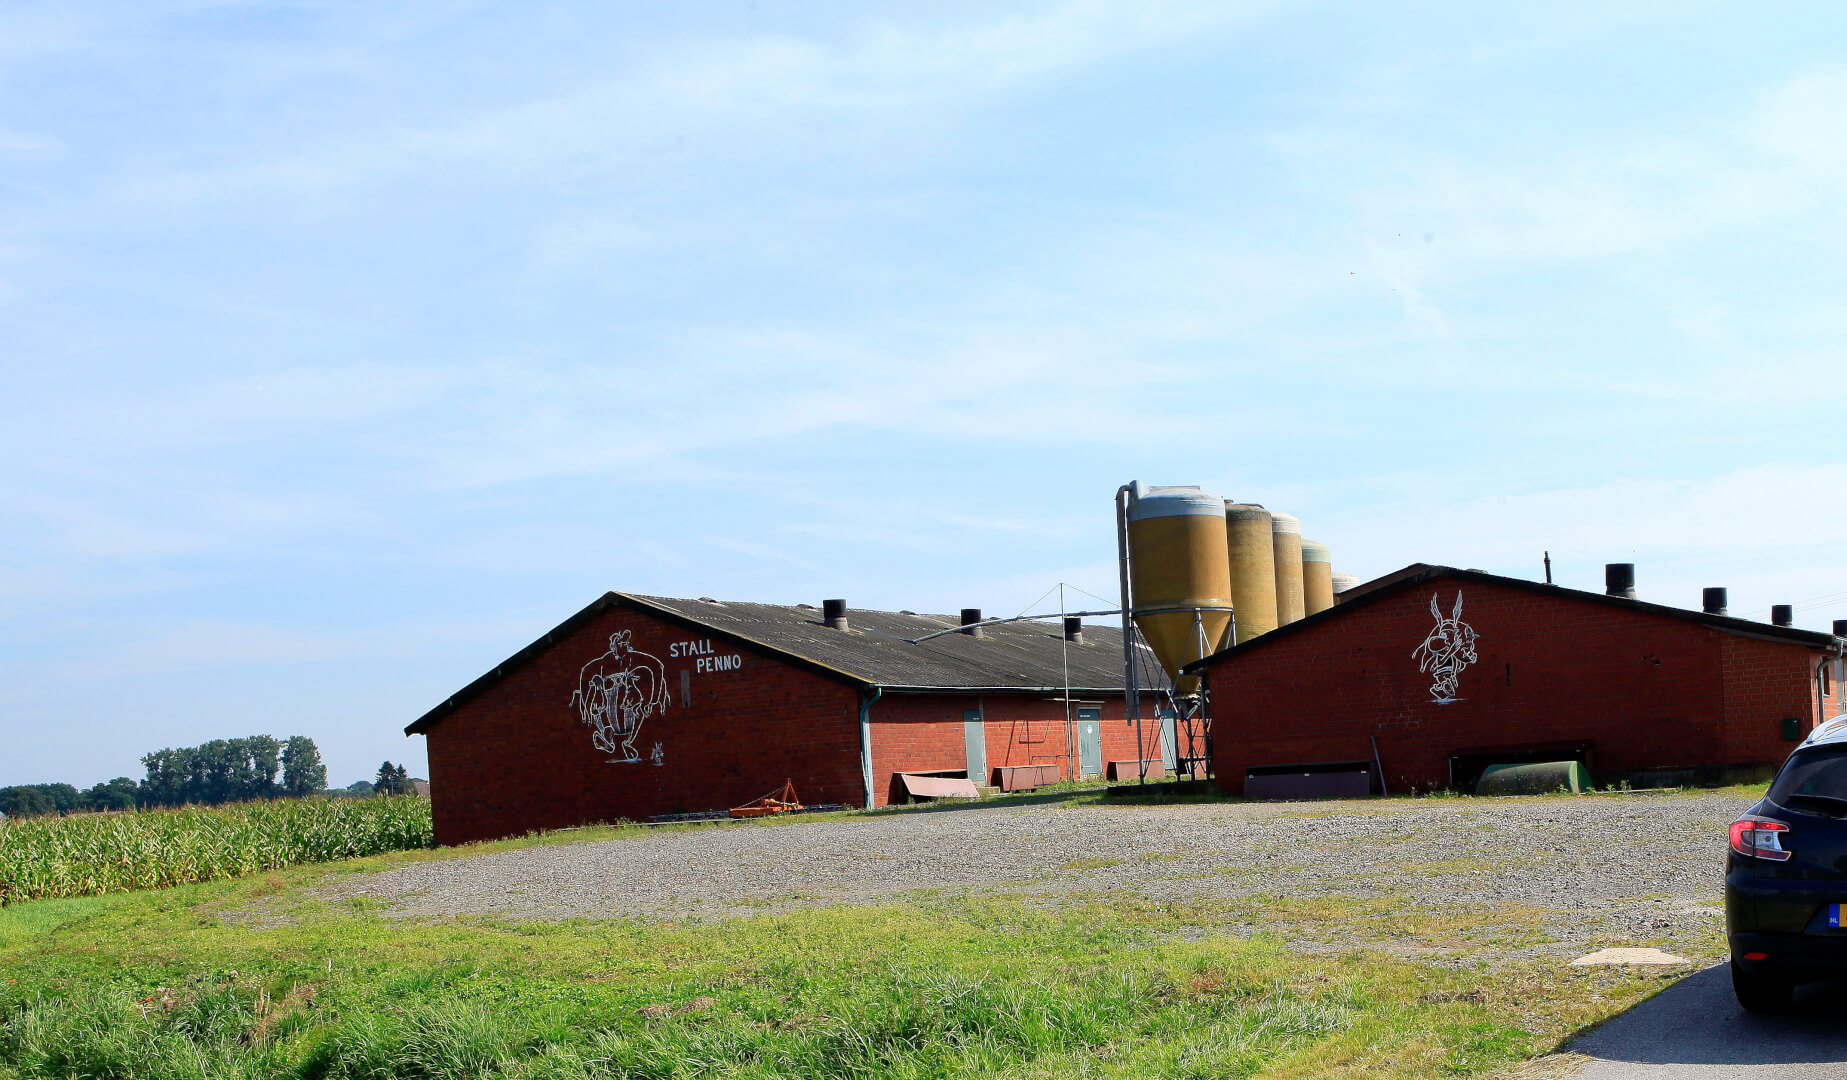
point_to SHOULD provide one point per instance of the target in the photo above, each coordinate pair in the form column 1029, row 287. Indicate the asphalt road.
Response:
column 1695, row 1031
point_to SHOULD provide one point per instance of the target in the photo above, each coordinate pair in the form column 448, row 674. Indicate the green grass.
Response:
column 93, row 854
column 264, row 977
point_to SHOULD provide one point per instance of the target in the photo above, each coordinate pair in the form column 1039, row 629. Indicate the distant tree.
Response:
column 169, row 773
column 302, row 771
column 26, row 800
column 223, row 770
column 117, row 794
column 64, row 798
column 258, row 758
column 214, row 773
column 392, row 780
column 358, row 789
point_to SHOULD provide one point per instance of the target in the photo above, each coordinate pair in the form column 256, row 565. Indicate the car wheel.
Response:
column 1761, row 993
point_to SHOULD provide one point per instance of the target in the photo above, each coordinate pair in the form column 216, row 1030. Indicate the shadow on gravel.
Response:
column 1698, row 1022
column 997, row 803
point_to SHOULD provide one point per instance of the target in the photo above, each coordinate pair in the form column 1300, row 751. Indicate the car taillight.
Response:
column 1760, row 838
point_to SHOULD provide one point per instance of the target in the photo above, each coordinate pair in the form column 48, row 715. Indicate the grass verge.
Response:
column 160, row 985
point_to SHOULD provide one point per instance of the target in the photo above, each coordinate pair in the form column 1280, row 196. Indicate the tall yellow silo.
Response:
column 1317, row 577
column 1180, row 574
column 1286, row 534
column 1253, row 568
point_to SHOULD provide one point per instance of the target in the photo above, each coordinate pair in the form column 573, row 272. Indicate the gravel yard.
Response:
column 1549, row 874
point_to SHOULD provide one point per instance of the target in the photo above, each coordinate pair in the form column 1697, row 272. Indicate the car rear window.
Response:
column 1813, row 772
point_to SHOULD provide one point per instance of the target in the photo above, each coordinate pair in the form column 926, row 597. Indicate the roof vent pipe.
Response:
column 1712, row 601
column 1074, row 629
column 835, row 612
column 970, row 616
column 1782, row 614
column 1619, row 579
column 1840, row 628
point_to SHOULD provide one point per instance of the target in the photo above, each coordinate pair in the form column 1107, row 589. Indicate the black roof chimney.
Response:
column 971, row 615
column 1783, row 614
column 1074, row 629
column 1712, row 601
column 1619, row 579
column 835, row 613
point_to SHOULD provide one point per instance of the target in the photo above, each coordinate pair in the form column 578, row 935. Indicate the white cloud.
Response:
column 1805, row 120
column 760, row 92
column 108, row 424
column 1778, row 156
column 126, row 646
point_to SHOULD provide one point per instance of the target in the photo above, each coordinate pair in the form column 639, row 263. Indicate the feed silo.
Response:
column 1286, row 533
column 1179, row 574
column 1253, row 568
column 1343, row 582
column 1317, row 578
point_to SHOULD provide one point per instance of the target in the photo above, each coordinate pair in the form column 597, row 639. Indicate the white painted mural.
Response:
column 617, row 693
column 1447, row 650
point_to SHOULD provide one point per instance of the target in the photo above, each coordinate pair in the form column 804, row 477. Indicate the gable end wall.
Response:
column 1650, row 693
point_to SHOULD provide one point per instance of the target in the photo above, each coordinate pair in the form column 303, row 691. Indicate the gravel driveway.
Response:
column 1583, row 869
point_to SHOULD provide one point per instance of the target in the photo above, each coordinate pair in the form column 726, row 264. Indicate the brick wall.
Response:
column 516, row 757
column 1649, row 692
column 924, row 733
column 1765, row 682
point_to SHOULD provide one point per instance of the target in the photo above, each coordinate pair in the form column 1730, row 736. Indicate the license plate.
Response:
column 1834, row 915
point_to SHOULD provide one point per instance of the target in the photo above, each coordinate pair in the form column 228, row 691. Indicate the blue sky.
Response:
column 349, row 347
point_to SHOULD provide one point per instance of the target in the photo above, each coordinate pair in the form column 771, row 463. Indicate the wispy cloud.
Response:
column 758, row 94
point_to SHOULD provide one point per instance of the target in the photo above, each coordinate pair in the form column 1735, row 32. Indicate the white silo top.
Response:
column 1160, row 502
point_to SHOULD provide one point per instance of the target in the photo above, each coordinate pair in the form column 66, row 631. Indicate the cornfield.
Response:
column 88, row 854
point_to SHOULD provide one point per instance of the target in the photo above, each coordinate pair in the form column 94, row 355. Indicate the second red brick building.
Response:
column 1429, row 674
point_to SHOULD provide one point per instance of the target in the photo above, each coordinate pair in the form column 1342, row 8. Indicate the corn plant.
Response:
column 88, row 854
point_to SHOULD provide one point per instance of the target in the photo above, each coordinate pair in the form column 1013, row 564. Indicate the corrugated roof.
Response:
column 1420, row 573
column 876, row 650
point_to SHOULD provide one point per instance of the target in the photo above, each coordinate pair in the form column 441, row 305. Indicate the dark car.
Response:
column 1786, row 876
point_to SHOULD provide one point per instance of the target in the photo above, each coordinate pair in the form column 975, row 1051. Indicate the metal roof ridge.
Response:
column 1417, row 573
column 781, row 649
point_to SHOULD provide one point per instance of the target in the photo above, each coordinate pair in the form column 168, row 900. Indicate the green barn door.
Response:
column 1090, row 742
column 975, row 744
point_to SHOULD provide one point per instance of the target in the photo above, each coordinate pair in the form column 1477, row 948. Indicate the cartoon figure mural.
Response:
column 616, row 693
column 1446, row 651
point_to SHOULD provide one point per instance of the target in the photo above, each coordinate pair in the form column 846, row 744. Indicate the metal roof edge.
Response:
column 506, row 667
column 1419, row 573
column 685, row 620
column 511, row 664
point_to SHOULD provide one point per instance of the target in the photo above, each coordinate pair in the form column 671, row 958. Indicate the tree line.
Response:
column 220, row 771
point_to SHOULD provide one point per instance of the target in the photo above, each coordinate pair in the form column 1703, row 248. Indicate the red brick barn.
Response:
column 642, row 706
column 1446, row 671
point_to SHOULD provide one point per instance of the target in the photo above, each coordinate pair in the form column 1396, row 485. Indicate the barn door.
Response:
column 1090, row 742
column 975, row 743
